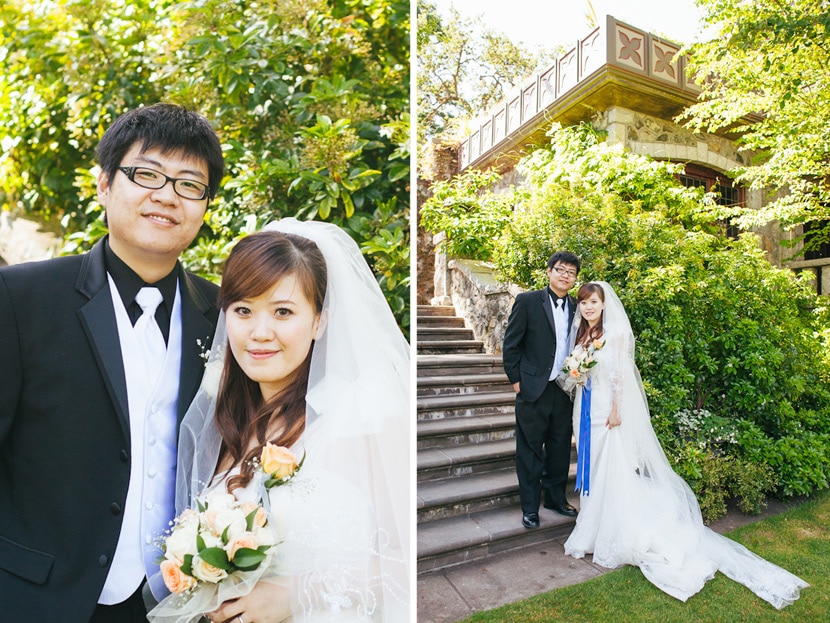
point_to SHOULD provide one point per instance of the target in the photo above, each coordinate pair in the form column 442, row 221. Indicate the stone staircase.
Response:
column 468, row 496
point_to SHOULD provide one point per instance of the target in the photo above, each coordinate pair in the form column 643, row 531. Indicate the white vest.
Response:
column 152, row 395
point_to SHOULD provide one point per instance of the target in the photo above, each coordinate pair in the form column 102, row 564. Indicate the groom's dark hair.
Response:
column 170, row 128
column 566, row 257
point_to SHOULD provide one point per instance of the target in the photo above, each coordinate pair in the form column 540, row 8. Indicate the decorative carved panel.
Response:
column 528, row 102
column 593, row 53
column 514, row 114
column 475, row 145
column 499, row 125
column 547, row 88
column 631, row 48
column 568, row 72
column 486, row 135
column 664, row 62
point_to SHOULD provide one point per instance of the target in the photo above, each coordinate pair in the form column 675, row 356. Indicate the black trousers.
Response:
column 544, row 429
column 132, row 610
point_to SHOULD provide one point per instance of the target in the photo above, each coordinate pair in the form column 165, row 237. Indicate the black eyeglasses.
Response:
column 149, row 178
column 565, row 271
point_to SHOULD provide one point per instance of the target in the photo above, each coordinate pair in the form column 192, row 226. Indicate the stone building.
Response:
column 632, row 85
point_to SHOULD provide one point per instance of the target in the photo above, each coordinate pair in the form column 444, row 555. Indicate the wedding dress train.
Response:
column 637, row 511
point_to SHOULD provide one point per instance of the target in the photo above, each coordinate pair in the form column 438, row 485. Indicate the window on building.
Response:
column 728, row 194
column 815, row 236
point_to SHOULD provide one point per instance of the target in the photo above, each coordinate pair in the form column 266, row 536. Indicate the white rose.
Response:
column 218, row 500
column 264, row 535
column 232, row 519
column 206, row 572
column 212, row 539
column 213, row 376
column 181, row 541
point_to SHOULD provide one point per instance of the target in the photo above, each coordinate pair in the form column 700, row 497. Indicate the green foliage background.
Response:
column 733, row 351
column 309, row 97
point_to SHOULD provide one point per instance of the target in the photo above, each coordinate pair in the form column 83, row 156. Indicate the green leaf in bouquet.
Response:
column 217, row 557
column 225, row 534
column 187, row 565
column 249, row 520
column 200, row 542
column 247, row 559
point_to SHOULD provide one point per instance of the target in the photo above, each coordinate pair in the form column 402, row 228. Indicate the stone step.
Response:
column 463, row 384
column 439, row 321
column 452, row 364
column 453, row 432
column 473, row 493
column 437, row 334
column 463, row 460
column 462, row 405
column 454, row 497
column 458, row 540
column 435, row 310
column 450, row 347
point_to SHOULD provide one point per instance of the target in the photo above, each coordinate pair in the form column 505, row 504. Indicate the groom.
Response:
column 535, row 347
column 88, row 422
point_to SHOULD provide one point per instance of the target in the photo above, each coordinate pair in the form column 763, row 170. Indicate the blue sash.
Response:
column 583, row 449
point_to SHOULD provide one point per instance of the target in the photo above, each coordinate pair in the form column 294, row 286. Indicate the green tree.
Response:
column 464, row 67
column 310, row 99
column 764, row 78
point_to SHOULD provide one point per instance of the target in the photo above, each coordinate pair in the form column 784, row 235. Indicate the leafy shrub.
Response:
column 718, row 327
column 471, row 218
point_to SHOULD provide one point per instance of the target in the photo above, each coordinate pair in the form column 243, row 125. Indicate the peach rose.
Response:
column 207, row 572
column 598, row 344
column 574, row 373
column 261, row 517
column 174, row 578
column 278, row 461
column 246, row 539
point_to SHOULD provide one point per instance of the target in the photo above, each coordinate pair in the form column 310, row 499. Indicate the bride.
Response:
column 634, row 510
column 317, row 364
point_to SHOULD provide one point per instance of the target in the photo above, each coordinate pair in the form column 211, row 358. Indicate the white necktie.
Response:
column 146, row 328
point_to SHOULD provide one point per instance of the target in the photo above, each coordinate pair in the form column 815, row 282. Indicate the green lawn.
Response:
column 798, row 540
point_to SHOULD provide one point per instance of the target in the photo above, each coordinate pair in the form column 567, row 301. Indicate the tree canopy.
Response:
column 310, row 99
column 464, row 68
column 764, row 77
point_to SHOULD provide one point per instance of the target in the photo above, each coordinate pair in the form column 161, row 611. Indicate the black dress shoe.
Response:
column 563, row 509
column 530, row 520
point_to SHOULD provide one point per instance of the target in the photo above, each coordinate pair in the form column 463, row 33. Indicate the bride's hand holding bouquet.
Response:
column 575, row 368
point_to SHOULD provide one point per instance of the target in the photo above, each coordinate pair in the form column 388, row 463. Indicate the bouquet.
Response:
column 208, row 545
column 576, row 365
column 220, row 549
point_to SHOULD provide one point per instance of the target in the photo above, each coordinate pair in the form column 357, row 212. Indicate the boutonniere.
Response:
column 204, row 351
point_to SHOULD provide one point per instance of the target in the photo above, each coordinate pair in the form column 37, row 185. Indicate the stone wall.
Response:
column 482, row 300
column 22, row 240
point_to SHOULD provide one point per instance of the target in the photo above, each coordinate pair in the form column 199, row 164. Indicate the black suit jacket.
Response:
column 529, row 345
column 64, row 429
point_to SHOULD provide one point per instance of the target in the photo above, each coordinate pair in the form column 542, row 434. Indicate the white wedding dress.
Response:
column 637, row 510
column 326, row 539
column 342, row 523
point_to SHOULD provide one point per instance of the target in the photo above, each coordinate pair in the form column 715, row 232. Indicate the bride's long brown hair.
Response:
column 254, row 266
column 586, row 333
